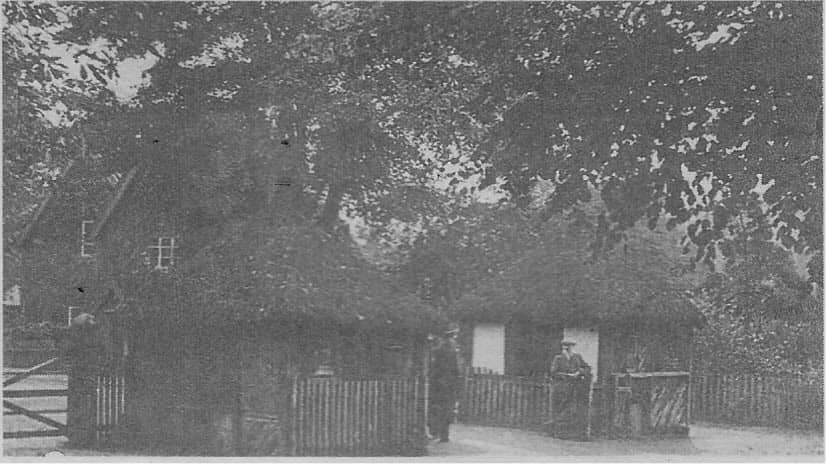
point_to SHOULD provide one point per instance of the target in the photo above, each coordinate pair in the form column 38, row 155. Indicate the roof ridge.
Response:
column 26, row 234
column 110, row 209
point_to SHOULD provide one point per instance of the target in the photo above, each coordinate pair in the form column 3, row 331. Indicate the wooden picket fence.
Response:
column 338, row 417
column 748, row 400
column 505, row 401
column 753, row 400
column 96, row 405
column 110, row 405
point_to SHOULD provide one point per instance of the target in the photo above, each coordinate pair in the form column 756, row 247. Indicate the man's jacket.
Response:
column 573, row 365
column 445, row 371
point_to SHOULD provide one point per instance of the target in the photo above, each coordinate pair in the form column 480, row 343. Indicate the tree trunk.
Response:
column 279, row 177
column 329, row 215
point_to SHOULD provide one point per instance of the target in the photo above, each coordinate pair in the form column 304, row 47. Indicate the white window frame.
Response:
column 159, row 248
column 71, row 311
column 86, row 229
column 488, row 352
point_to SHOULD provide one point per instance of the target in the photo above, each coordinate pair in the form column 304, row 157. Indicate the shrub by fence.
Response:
column 753, row 400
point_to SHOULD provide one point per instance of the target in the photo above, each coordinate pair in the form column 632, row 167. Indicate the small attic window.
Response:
column 164, row 253
column 87, row 246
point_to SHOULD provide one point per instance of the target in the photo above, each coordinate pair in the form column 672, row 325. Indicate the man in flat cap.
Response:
column 569, row 364
column 569, row 398
column 445, row 381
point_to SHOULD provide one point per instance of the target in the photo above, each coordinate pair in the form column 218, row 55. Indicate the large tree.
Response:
column 679, row 109
column 669, row 109
column 272, row 94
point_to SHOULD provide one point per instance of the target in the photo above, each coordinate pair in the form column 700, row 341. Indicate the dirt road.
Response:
column 474, row 443
column 705, row 443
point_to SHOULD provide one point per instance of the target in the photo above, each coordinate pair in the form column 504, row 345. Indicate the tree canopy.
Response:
column 689, row 112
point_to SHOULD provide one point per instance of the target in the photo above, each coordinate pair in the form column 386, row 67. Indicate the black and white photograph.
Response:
column 413, row 231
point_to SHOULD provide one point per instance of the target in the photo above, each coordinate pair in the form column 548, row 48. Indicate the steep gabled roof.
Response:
column 100, row 196
column 562, row 281
column 26, row 233
column 116, row 200
column 52, row 274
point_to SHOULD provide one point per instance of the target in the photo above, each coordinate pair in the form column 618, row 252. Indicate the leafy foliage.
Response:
column 732, row 343
column 626, row 97
column 344, row 111
column 762, row 316
column 447, row 260
column 671, row 109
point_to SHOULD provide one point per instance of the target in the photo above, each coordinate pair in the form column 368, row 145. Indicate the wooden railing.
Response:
column 753, row 400
column 358, row 417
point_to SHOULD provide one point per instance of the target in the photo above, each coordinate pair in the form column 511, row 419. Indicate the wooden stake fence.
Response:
column 110, row 402
column 749, row 400
column 752, row 400
column 505, row 401
column 339, row 417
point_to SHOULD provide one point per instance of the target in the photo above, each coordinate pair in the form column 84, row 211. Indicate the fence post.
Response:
column 765, row 398
column 389, row 416
column 292, row 415
column 747, row 398
column 81, row 412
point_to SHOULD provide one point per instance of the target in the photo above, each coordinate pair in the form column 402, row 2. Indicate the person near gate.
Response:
column 569, row 398
column 445, row 379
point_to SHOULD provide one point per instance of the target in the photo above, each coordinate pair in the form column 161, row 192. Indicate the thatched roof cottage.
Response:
column 222, row 325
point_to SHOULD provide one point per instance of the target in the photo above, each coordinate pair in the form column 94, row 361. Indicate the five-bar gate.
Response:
column 56, row 428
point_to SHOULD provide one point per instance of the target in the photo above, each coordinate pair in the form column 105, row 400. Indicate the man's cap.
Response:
column 568, row 342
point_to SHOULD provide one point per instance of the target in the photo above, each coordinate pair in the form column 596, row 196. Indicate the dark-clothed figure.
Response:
column 569, row 398
column 445, row 381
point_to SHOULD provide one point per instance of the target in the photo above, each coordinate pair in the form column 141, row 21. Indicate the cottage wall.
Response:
column 267, row 366
column 198, row 383
column 527, row 351
column 231, row 393
column 488, row 347
column 135, row 227
column 531, row 347
column 181, row 391
column 51, row 275
column 609, row 348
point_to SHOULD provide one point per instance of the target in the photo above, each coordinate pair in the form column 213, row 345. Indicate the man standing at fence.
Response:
column 569, row 397
column 445, row 381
